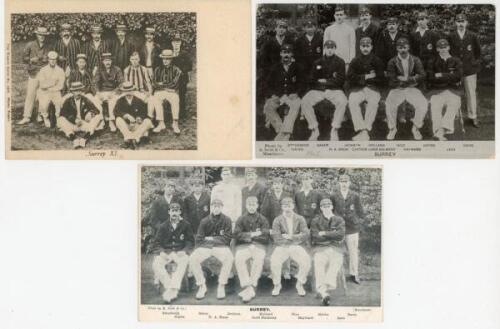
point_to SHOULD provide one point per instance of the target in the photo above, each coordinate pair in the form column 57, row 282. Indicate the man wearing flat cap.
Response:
column 94, row 48
column 290, row 235
column 67, row 48
column 50, row 83
column 343, row 35
column 35, row 55
column 327, row 240
column 174, row 242
column 197, row 203
column 365, row 78
column 309, row 46
column 271, row 205
column 423, row 40
column 78, row 114
column 150, row 51
column 212, row 240
column 365, row 29
column 444, row 73
column 166, row 80
column 269, row 53
column 121, row 48
column 464, row 44
column 307, row 198
column 327, row 79
column 405, row 73
column 284, row 85
column 386, row 45
column 83, row 75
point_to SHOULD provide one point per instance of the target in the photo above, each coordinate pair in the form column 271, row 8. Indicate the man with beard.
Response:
column 183, row 61
column 197, row 204
column 365, row 77
column 212, row 240
column 94, row 49
column 290, row 235
column 386, row 44
column 150, row 52
column 327, row 238
column 35, row 55
column 308, row 47
column 444, row 73
column 423, row 40
column 307, row 199
column 284, row 85
column 78, row 114
column 107, row 81
column 252, row 236
column 405, row 73
column 366, row 29
column 122, row 49
column 166, row 83
column 174, row 241
column 327, row 78
column 229, row 193
column 67, row 48
column 343, row 35
column 82, row 74
column 464, row 44
column 51, row 83
column 252, row 188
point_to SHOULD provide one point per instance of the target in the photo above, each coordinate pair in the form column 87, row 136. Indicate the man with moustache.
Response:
column 270, row 51
column 252, row 188
column 366, row 29
column 94, row 49
column 271, row 205
column 121, row 49
column 150, row 51
column 386, row 45
column 67, row 48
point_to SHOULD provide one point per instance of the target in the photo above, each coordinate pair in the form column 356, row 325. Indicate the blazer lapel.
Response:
column 400, row 68
column 411, row 63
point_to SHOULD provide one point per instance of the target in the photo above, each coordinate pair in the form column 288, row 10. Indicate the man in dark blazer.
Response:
column 423, row 40
column 149, row 52
column 196, row 204
column 307, row 200
column 269, row 53
column 366, row 29
column 385, row 47
column 308, row 47
column 271, row 206
column 183, row 61
column 122, row 48
column 252, row 188
column 347, row 204
column 464, row 44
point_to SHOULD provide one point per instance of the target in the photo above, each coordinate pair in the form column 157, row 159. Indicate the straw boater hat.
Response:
column 96, row 29
column 41, row 30
column 127, row 86
column 78, row 56
column 121, row 27
column 76, row 86
column 65, row 27
column 150, row 30
column 167, row 53
column 52, row 55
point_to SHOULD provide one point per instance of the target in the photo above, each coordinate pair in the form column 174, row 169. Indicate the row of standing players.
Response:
column 289, row 70
column 234, row 225
column 103, row 67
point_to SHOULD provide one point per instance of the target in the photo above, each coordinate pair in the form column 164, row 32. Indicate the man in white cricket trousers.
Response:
column 327, row 238
column 51, row 80
column 212, row 240
column 252, row 236
column 405, row 73
column 347, row 204
column 290, row 235
column 174, row 241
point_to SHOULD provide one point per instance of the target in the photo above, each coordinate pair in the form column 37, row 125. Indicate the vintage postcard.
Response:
column 128, row 80
column 374, row 81
column 260, row 244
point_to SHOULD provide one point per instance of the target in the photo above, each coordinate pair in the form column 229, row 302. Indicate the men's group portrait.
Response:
column 104, row 81
column 354, row 72
column 269, row 236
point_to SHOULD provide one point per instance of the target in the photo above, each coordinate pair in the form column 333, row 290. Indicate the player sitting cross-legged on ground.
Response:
column 290, row 235
column 327, row 237
column 365, row 76
column 252, row 236
column 174, row 241
column 212, row 240
column 327, row 77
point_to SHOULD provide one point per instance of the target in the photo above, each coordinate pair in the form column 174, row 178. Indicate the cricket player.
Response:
column 252, row 188
column 365, row 29
column 343, row 35
column 308, row 47
column 251, row 233
column 327, row 78
column 174, row 242
column 122, row 48
column 270, row 51
column 290, row 235
column 95, row 48
column 150, row 51
column 327, row 239
column 229, row 193
column 271, row 205
column 81, row 74
column 386, row 45
column 212, row 240
column 308, row 198
column 51, row 83
column 67, row 48
column 365, row 77
column 197, row 203
column 183, row 61
column 444, row 73
column 464, row 44
column 423, row 40
column 405, row 73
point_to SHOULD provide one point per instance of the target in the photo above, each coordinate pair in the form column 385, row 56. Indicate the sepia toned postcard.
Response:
column 128, row 80
column 260, row 244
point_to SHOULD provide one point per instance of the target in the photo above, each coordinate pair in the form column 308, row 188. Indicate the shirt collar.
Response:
column 418, row 29
column 404, row 59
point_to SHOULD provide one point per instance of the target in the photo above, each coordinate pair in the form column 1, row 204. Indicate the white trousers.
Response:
column 352, row 241
column 256, row 254
column 46, row 97
column 133, row 131
column 110, row 97
column 294, row 252
column 470, row 83
column 327, row 263
column 372, row 98
column 29, row 101
column 313, row 97
column 222, row 254
column 174, row 279
column 413, row 96
column 452, row 103
column 89, row 125
column 271, row 112
column 165, row 95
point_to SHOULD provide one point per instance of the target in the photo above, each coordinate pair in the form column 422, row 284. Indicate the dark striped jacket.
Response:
column 167, row 77
column 139, row 77
column 94, row 55
column 67, row 54
column 121, row 53
column 155, row 52
column 84, row 77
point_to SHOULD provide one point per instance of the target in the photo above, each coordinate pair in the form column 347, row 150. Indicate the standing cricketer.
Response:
column 252, row 188
column 67, row 48
column 308, row 47
column 343, row 35
column 51, row 83
column 386, row 45
column 423, row 40
column 271, row 206
column 229, row 193
column 365, row 29
column 307, row 199
column 197, row 203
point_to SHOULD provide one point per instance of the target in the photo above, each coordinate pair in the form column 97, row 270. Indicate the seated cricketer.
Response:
column 81, row 74
column 405, row 73
column 78, row 114
column 290, row 235
column 51, row 83
column 212, row 240
column 327, row 239
column 444, row 73
column 174, row 241
column 132, row 117
column 365, row 77
column 252, row 236
column 284, row 85
column 327, row 78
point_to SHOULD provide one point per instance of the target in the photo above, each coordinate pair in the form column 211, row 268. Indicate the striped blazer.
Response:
column 139, row 77
column 67, row 54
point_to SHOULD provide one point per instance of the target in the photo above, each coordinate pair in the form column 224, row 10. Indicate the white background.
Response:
column 68, row 243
